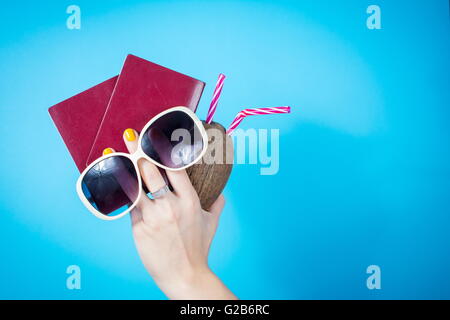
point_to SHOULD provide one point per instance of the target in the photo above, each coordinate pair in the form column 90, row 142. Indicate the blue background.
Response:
column 364, row 157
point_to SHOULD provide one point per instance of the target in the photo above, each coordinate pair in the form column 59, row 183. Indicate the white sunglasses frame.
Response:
column 135, row 157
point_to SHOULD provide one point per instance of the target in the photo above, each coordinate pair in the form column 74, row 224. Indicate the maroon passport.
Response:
column 96, row 118
column 143, row 90
column 78, row 119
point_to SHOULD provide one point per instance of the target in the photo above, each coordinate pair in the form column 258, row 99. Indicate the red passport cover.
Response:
column 143, row 90
column 95, row 119
column 78, row 119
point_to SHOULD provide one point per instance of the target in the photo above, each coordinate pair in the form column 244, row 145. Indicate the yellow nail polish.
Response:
column 107, row 151
column 129, row 135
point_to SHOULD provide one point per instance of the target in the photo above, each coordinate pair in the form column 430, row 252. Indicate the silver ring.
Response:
column 161, row 192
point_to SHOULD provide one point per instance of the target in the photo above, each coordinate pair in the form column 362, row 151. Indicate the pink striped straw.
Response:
column 251, row 112
column 215, row 98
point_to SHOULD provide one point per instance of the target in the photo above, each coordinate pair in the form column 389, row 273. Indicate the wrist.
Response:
column 197, row 284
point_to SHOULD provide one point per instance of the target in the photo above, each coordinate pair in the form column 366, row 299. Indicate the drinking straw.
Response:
column 251, row 112
column 215, row 98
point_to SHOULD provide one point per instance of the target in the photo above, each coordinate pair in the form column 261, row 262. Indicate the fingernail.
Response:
column 129, row 135
column 107, row 151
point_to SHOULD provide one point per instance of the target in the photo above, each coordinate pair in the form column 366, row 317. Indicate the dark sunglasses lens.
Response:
column 111, row 185
column 173, row 140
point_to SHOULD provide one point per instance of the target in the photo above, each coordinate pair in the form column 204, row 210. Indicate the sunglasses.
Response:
column 111, row 186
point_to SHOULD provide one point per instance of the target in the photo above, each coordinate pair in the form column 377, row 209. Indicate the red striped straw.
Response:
column 251, row 112
column 215, row 98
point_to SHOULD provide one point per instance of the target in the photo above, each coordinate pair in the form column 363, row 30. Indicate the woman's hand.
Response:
column 173, row 234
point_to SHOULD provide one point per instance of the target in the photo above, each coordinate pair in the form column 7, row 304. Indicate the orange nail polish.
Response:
column 107, row 151
column 129, row 135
